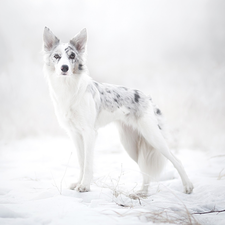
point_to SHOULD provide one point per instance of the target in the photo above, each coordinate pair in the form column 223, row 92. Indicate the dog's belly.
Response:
column 105, row 116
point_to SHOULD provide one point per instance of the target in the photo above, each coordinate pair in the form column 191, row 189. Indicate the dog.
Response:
column 83, row 105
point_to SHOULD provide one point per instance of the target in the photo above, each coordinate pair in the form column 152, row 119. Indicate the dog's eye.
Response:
column 72, row 56
column 56, row 56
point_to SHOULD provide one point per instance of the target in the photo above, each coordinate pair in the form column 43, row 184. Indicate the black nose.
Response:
column 64, row 68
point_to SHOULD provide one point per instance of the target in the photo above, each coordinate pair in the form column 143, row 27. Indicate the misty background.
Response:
column 172, row 50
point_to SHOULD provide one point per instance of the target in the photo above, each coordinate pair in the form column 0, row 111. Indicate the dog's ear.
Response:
column 79, row 41
column 50, row 40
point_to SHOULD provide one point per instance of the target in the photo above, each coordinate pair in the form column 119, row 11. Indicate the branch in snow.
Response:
column 212, row 211
column 221, row 175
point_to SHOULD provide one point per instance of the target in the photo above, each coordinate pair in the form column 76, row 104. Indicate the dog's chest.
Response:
column 68, row 108
column 70, row 116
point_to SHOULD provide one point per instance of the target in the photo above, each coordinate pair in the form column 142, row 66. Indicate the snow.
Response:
column 36, row 173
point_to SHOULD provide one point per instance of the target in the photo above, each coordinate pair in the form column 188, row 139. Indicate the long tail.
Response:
column 150, row 161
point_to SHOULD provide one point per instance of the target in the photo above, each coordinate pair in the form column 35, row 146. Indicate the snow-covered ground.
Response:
column 35, row 175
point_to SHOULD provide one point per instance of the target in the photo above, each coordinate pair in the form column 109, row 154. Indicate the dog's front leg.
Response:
column 78, row 143
column 89, row 136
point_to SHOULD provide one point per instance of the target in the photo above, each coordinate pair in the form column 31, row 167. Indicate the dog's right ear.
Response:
column 79, row 41
column 50, row 40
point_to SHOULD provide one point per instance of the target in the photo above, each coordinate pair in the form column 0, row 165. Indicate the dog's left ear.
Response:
column 79, row 41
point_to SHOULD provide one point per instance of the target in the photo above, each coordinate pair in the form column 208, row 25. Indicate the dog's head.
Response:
column 64, row 59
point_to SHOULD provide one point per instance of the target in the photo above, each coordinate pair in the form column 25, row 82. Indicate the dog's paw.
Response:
column 74, row 185
column 82, row 188
column 188, row 188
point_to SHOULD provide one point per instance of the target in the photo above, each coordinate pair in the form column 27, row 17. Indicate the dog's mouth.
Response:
column 63, row 74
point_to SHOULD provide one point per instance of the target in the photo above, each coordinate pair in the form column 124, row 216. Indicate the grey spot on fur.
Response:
column 136, row 96
column 124, row 88
column 158, row 111
column 80, row 67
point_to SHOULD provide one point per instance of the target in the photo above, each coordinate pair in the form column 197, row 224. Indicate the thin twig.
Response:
column 216, row 156
column 55, row 185
column 208, row 212
column 221, row 175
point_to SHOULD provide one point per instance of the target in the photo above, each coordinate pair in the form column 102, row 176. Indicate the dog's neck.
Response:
column 67, row 90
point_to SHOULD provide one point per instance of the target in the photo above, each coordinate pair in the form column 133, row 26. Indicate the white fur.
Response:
column 83, row 105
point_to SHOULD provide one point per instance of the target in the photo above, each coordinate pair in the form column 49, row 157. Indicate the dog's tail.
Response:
column 150, row 161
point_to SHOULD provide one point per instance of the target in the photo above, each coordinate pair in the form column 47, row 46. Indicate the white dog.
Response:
column 83, row 105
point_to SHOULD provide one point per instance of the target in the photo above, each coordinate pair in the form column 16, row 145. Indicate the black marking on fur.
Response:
column 158, row 112
column 80, row 67
column 159, row 127
column 115, row 100
column 68, row 49
column 136, row 96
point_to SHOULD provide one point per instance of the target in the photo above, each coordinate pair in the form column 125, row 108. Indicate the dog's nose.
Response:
column 64, row 68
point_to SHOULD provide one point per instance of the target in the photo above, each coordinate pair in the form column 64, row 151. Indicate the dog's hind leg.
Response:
column 148, row 127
